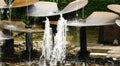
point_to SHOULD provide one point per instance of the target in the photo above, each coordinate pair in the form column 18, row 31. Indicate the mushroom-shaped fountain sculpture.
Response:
column 95, row 19
column 39, row 9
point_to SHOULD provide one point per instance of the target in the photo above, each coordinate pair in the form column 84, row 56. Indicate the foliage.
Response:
column 97, row 5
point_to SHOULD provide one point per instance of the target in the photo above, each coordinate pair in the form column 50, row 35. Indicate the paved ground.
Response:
column 100, row 50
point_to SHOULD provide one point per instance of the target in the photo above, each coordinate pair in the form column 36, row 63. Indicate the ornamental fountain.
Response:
column 95, row 19
column 60, row 39
column 54, row 48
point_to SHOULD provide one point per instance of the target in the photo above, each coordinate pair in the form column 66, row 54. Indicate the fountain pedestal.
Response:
column 83, row 53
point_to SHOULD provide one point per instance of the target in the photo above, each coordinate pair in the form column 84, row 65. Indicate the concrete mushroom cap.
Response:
column 43, row 8
column 114, row 7
column 96, row 19
column 118, row 22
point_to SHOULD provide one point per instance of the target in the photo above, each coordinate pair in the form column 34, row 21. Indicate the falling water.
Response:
column 58, row 53
column 54, row 52
column 47, row 43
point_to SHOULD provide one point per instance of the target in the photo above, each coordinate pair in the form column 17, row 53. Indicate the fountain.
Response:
column 53, row 50
column 92, row 20
column 60, row 37
column 95, row 19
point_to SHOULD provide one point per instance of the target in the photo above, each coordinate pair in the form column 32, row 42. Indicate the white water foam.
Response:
column 47, row 42
column 54, row 52
column 59, row 49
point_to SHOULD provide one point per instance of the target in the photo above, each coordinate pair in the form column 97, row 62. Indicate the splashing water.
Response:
column 54, row 52
column 47, row 42
column 58, row 53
